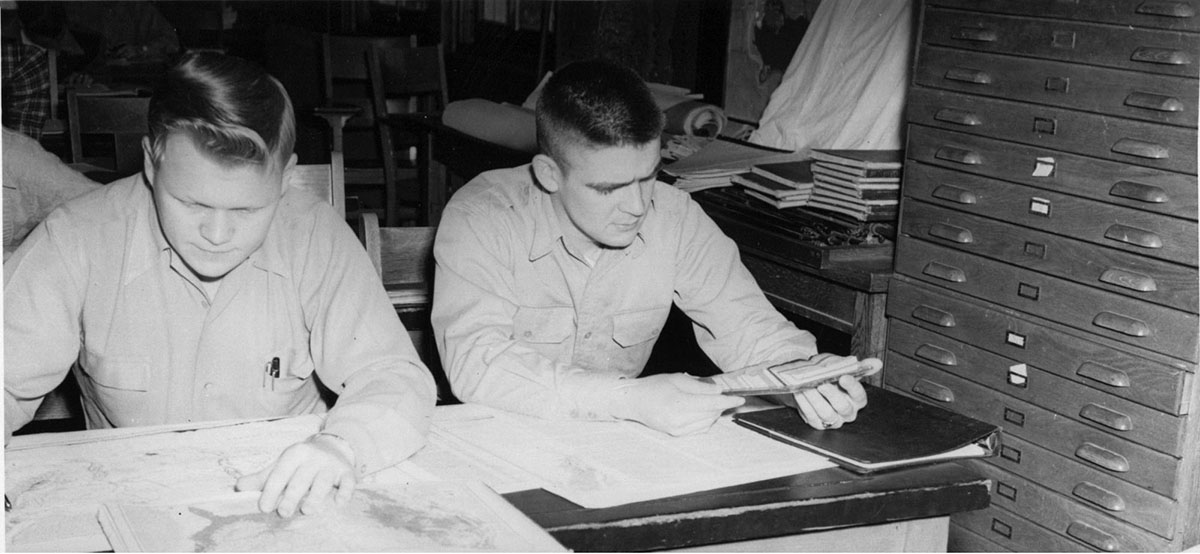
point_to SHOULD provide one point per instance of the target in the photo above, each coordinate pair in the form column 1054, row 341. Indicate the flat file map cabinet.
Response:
column 1046, row 264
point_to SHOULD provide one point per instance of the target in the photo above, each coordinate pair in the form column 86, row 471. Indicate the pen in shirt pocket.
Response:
column 272, row 372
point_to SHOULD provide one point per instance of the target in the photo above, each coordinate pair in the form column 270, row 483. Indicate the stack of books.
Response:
column 781, row 184
column 862, row 184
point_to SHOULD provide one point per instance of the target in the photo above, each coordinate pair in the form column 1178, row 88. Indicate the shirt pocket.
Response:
column 294, row 385
column 117, row 373
column 544, row 325
column 634, row 328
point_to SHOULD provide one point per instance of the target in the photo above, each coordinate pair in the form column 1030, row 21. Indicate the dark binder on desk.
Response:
column 893, row 431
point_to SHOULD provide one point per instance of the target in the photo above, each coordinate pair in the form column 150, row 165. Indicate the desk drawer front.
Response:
column 832, row 306
column 1154, row 98
column 1110, row 182
column 1095, row 446
column 1118, row 271
column 1147, row 378
column 1154, row 14
column 1063, row 516
column 1148, row 51
column 1111, row 315
column 1158, row 429
column 1114, row 138
column 1014, row 532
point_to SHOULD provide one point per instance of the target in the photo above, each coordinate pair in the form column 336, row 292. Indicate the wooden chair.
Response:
column 406, row 84
column 348, row 110
column 323, row 180
column 122, row 118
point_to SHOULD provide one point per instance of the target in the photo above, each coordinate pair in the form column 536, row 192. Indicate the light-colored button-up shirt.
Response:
column 525, row 325
column 98, row 282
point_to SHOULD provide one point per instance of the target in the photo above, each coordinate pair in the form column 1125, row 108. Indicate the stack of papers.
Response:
column 716, row 163
column 781, row 184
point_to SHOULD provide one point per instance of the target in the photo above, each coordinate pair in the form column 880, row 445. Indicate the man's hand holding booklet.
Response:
column 794, row 376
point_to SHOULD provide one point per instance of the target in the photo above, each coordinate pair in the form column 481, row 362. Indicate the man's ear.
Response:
column 289, row 169
column 148, row 160
column 548, row 173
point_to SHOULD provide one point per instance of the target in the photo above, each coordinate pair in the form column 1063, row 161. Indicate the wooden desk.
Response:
column 905, row 510
column 825, row 510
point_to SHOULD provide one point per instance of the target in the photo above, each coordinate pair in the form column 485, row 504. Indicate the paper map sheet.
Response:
column 603, row 464
column 419, row 517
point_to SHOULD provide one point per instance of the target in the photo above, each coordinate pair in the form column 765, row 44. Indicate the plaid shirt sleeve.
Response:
column 26, row 89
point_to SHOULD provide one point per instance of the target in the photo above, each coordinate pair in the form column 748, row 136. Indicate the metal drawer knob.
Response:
column 1181, row 10
column 1133, row 235
column 1093, row 537
column 967, row 75
column 958, row 117
column 1106, row 417
column 975, row 35
column 1149, row 194
column 955, row 194
column 1122, row 324
column 958, row 155
column 951, row 233
column 1103, row 457
column 1099, row 496
column 936, row 354
column 933, row 391
column 1151, row 101
column 1141, row 149
column 945, row 272
column 1162, row 56
column 1103, row 374
column 934, row 316
column 1128, row 280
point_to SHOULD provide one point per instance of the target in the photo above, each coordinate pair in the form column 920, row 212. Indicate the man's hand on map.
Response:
column 674, row 403
column 305, row 476
column 829, row 406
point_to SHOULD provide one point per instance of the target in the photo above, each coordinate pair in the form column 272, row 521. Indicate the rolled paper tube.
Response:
column 504, row 124
column 694, row 118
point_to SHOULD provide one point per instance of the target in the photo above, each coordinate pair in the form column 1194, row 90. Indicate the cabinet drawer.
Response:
column 1153, row 428
column 962, row 539
column 1157, row 14
column 1121, row 272
column 1146, row 377
column 1064, row 516
column 1154, row 98
column 1157, row 328
column 1107, row 181
column 1114, row 138
column 1110, row 495
column 1013, row 532
column 1144, row 50
column 1097, row 447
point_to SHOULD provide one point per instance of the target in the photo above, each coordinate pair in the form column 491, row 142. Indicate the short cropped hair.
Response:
column 596, row 103
column 233, row 109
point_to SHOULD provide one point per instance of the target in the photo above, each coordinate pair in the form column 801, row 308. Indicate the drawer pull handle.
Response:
column 1122, row 324
column 1103, row 457
column 1105, row 499
column 965, row 75
column 1151, row 101
column 1128, row 280
column 955, row 194
column 934, row 316
column 1133, row 235
column 1163, row 56
column 1093, row 537
column 945, row 272
column 1181, row 10
column 1106, row 417
column 975, row 35
column 958, row 155
column 933, row 391
column 1149, row 194
column 958, row 117
column 1103, row 374
column 936, row 354
column 951, row 233
column 1141, row 149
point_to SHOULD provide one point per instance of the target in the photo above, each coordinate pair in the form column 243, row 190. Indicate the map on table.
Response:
column 426, row 516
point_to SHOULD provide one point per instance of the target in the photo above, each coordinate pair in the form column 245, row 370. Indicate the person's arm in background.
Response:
column 737, row 326
column 44, row 284
column 363, row 354
column 35, row 182
column 474, row 313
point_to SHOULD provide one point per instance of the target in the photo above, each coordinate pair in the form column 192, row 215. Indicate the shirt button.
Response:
column 587, row 335
column 528, row 334
column 208, row 386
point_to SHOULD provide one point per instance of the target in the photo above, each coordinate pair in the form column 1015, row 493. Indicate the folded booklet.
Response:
column 793, row 376
column 892, row 431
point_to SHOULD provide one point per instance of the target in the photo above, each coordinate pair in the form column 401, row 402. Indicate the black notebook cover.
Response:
column 893, row 430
